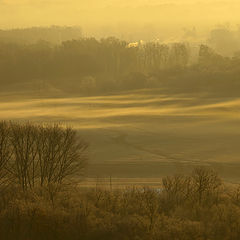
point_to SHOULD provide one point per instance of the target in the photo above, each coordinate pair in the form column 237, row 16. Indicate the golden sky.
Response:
column 21, row 13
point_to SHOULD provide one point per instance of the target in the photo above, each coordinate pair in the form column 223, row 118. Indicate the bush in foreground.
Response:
column 197, row 207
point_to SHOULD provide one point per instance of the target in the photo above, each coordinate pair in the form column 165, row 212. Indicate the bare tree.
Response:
column 60, row 154
column 203, row 186
column 22, row 165
column 178, row 189
column 206, row 184
column 41, row 155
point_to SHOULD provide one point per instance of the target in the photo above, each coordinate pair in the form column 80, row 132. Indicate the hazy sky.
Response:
column 22, row 13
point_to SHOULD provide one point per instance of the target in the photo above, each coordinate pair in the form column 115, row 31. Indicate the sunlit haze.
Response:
column 120, row 119
column 115, row 15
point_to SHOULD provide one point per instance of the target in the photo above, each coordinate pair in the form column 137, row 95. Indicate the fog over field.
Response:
column 144, row 133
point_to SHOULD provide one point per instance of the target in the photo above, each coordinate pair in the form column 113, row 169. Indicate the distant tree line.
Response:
column 53, row 34
column 88, row 65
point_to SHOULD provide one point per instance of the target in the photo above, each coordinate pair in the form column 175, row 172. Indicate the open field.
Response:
column 144, row 133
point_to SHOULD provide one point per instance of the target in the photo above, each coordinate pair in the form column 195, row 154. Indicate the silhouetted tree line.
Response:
column 88, row 65
column 183, row 207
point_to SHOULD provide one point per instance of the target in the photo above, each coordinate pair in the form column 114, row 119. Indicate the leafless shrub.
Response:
column 5, row 152
column 203, row 186
column 177, row 189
